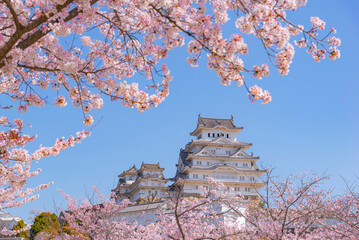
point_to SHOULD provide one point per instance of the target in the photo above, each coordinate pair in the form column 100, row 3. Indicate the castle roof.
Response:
column 150, row 166
column 211, row 123
column 217, row 142
column 131, row 171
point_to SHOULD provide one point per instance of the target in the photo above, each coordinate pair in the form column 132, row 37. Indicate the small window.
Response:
column 207, row 163
column 209, row 135
column 213, row 135
column 241, row 178
column 217, row 134
column 199, row 162
column 196, row 187
column 228, row 152
column 245, row 164
column 130, row 178
column 247, row 189
column 227, row 135
column 195, row 175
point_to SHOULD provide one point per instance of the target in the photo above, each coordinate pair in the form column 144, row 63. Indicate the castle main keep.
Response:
column 214, row 152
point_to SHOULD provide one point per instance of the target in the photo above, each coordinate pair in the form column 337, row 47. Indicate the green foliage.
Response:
column 47, row 222
column 24, row 234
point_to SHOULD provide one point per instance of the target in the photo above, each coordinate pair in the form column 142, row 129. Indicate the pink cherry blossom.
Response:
column 296, row 207
column 113, row 41
column 60, row 101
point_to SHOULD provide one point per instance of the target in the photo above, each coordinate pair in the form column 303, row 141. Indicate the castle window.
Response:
column 213, row 135
column 227, row 135
column 217, row 134
column 209, row 135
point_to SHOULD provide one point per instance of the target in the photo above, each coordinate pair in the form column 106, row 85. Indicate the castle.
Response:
column 215, row 152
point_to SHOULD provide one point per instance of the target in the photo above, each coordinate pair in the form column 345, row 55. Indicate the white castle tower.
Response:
column 217, row 153
column 147, row 184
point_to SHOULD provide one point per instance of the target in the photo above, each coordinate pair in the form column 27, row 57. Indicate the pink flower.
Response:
column 4, row 121
column 317, row 23
column 60, row 101
column 88, row 120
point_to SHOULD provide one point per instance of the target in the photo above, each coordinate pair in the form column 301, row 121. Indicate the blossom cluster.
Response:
column 15, row 167
column 256, row 93
column 296, row 207
column 132, row 38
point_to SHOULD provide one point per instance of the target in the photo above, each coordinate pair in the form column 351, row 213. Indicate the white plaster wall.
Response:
column 141, row 218
column 204, row 133
column 151, row 173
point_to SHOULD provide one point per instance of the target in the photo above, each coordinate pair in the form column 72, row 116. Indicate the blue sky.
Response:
column 311, row 124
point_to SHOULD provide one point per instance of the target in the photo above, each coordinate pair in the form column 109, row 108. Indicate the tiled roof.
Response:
column 150, row 165
column 183, row 156
column 215, row 122
column 132, row 170
column 142, row 207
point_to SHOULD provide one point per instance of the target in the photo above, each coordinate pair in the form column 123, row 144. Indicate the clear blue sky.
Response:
column 312, row 122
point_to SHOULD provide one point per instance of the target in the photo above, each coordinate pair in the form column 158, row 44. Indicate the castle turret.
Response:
column 217, row 153
column 144, row 184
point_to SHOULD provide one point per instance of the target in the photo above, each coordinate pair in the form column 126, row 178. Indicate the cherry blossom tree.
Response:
column 85, row 49
column 15, row 167
column 344, row 211
column 81, row 51
column 293, row 208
